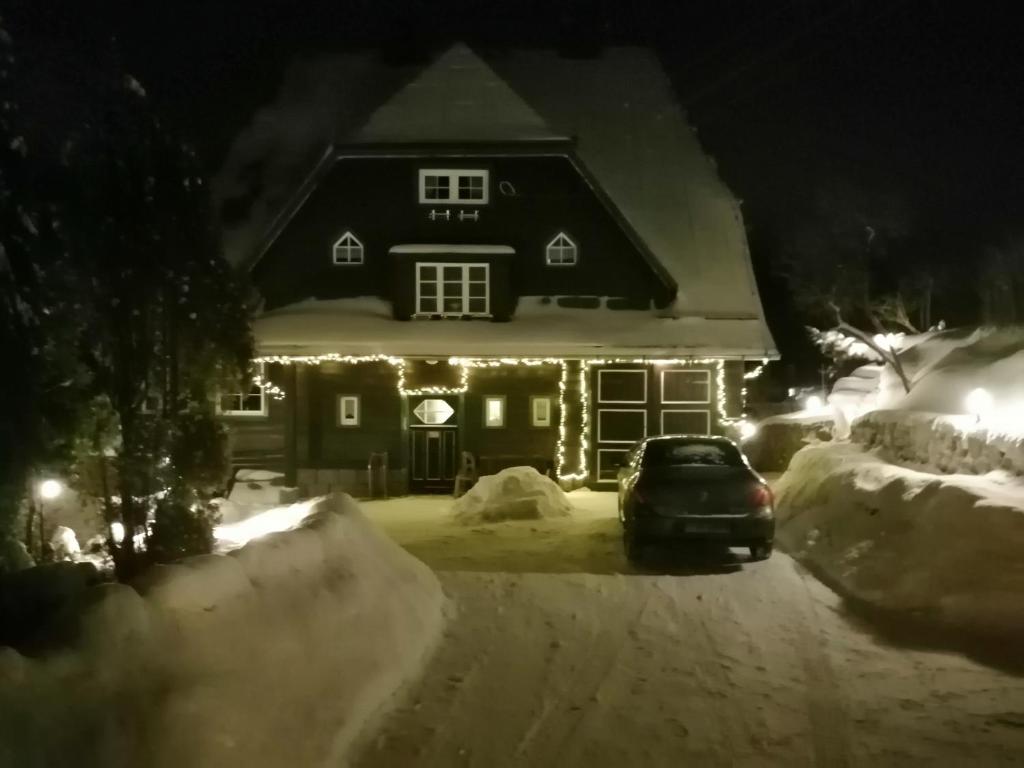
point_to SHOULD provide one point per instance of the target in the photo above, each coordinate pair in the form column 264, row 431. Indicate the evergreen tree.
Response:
column 41, row 319
column 170, row 323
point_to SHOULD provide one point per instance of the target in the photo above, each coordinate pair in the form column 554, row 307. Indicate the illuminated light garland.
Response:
column 268, row 387
column 467, row 364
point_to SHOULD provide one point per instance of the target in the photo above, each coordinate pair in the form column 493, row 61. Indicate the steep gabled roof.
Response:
column 630, row 136
column 457, row 98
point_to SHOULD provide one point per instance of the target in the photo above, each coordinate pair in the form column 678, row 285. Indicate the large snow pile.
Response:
column 930, row 426
column 948, row 547
column 779, row 437
column 274, row 655
column 516, row 493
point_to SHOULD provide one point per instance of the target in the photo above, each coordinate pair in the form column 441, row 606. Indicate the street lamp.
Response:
column 979, row 404
column 50, row 489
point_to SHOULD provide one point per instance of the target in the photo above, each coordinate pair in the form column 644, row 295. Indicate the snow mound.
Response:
column 516, row 493
column 944, row 547
column 275, row 655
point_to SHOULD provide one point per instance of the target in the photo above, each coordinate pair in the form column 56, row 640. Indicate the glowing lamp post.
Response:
column 814, row 404
column 979, row 404
column 50, row 490
column 747, row 430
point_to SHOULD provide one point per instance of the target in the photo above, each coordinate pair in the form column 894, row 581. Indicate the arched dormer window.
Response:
column 561, row 251
column 348, row 250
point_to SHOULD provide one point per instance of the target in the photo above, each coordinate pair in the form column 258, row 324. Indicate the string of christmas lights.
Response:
column 467, row 364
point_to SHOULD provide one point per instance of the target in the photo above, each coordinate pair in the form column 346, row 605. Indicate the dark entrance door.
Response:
column 433, row 444
column 433, row 460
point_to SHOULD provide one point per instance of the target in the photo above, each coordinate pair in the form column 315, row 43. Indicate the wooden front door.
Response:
column 433, row 444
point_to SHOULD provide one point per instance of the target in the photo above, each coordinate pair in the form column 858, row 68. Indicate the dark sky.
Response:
column 913, row 98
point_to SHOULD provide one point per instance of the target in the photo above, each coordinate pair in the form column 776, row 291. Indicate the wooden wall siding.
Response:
column 518, row 442
column 376, row 199
column 439, row 373
column 632, row 401
column 380, row 416
column 260, row 440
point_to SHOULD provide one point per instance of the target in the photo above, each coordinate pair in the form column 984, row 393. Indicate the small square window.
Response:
column 348, row 410
column 494, row 411
column 540, row 411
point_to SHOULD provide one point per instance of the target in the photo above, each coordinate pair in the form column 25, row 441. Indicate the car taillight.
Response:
column 761, row 496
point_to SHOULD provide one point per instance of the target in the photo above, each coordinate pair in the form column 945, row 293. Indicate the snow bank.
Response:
column 274, row 655
column 516, row 493
column 254, row 491
column 779, row 437
column 947, row 547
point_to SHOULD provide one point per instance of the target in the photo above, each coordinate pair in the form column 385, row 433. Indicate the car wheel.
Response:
column 631, row 545
column 761, row 551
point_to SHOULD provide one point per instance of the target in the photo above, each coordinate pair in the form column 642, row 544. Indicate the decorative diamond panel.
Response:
column 433, row 411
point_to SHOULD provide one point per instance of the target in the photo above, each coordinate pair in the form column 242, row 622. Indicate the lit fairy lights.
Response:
column 466, row 365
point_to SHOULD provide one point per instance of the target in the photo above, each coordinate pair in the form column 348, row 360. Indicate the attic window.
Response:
column 453, row 185
column 348, row 250
column 561, row 251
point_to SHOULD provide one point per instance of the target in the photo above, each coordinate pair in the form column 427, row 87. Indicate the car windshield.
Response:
column 704, row 453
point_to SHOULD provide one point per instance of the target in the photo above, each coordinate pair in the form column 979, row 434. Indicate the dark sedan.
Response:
column 693, row 487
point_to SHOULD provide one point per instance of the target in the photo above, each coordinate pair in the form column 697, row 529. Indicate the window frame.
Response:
column 705, row 374
column 341, row 422
column 453, row 175
column 247, row 414
column 487, row 400
column 572, row 246
column 354, row 245
column 546, row 422
column 439, row 283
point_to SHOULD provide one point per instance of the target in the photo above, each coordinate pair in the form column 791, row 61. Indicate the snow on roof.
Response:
column 496, row 250
column 541, row 328
column 457, row 98
column 630, row 134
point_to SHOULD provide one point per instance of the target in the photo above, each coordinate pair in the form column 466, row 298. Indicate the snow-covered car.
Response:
column 679, row 487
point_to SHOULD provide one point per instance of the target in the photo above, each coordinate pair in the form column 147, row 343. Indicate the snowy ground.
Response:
column 557, row 655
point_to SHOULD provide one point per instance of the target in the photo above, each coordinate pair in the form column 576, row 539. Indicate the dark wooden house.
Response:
column 524, row 257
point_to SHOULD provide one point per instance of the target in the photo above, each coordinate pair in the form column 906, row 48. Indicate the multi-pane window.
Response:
column 437, row 187
column 561, row 251
column 453, row 185
column 348, row 250
column 452, row 289
column 252, row 402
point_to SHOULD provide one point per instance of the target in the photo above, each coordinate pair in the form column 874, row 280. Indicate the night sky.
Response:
column 921, row 101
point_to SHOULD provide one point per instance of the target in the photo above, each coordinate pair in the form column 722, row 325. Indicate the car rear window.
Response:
column 665, row 453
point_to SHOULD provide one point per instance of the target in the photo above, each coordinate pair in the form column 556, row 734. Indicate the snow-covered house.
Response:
column 520, row 256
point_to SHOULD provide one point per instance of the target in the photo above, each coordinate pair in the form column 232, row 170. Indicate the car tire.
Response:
column 631, row 545
column 762, row 550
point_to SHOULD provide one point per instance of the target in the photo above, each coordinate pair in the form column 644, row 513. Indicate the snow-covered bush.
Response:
column 516, row 493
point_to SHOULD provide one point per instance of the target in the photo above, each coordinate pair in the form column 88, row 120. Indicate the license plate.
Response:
column 701, row 527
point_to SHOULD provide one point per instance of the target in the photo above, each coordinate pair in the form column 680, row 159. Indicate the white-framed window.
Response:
column 453, row 289
column 683, row 386
column 561, row 251
column 252, row 402
column 348, row 410
column 494, row 411
column 679, row 421
column 454, row 185
column 348, row 250
column 619, row 386
column 621, row 425
column 540, row 411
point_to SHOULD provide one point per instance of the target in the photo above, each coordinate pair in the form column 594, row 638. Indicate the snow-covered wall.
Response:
column 945, row 548
column 276, row 654
column 940, row 442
